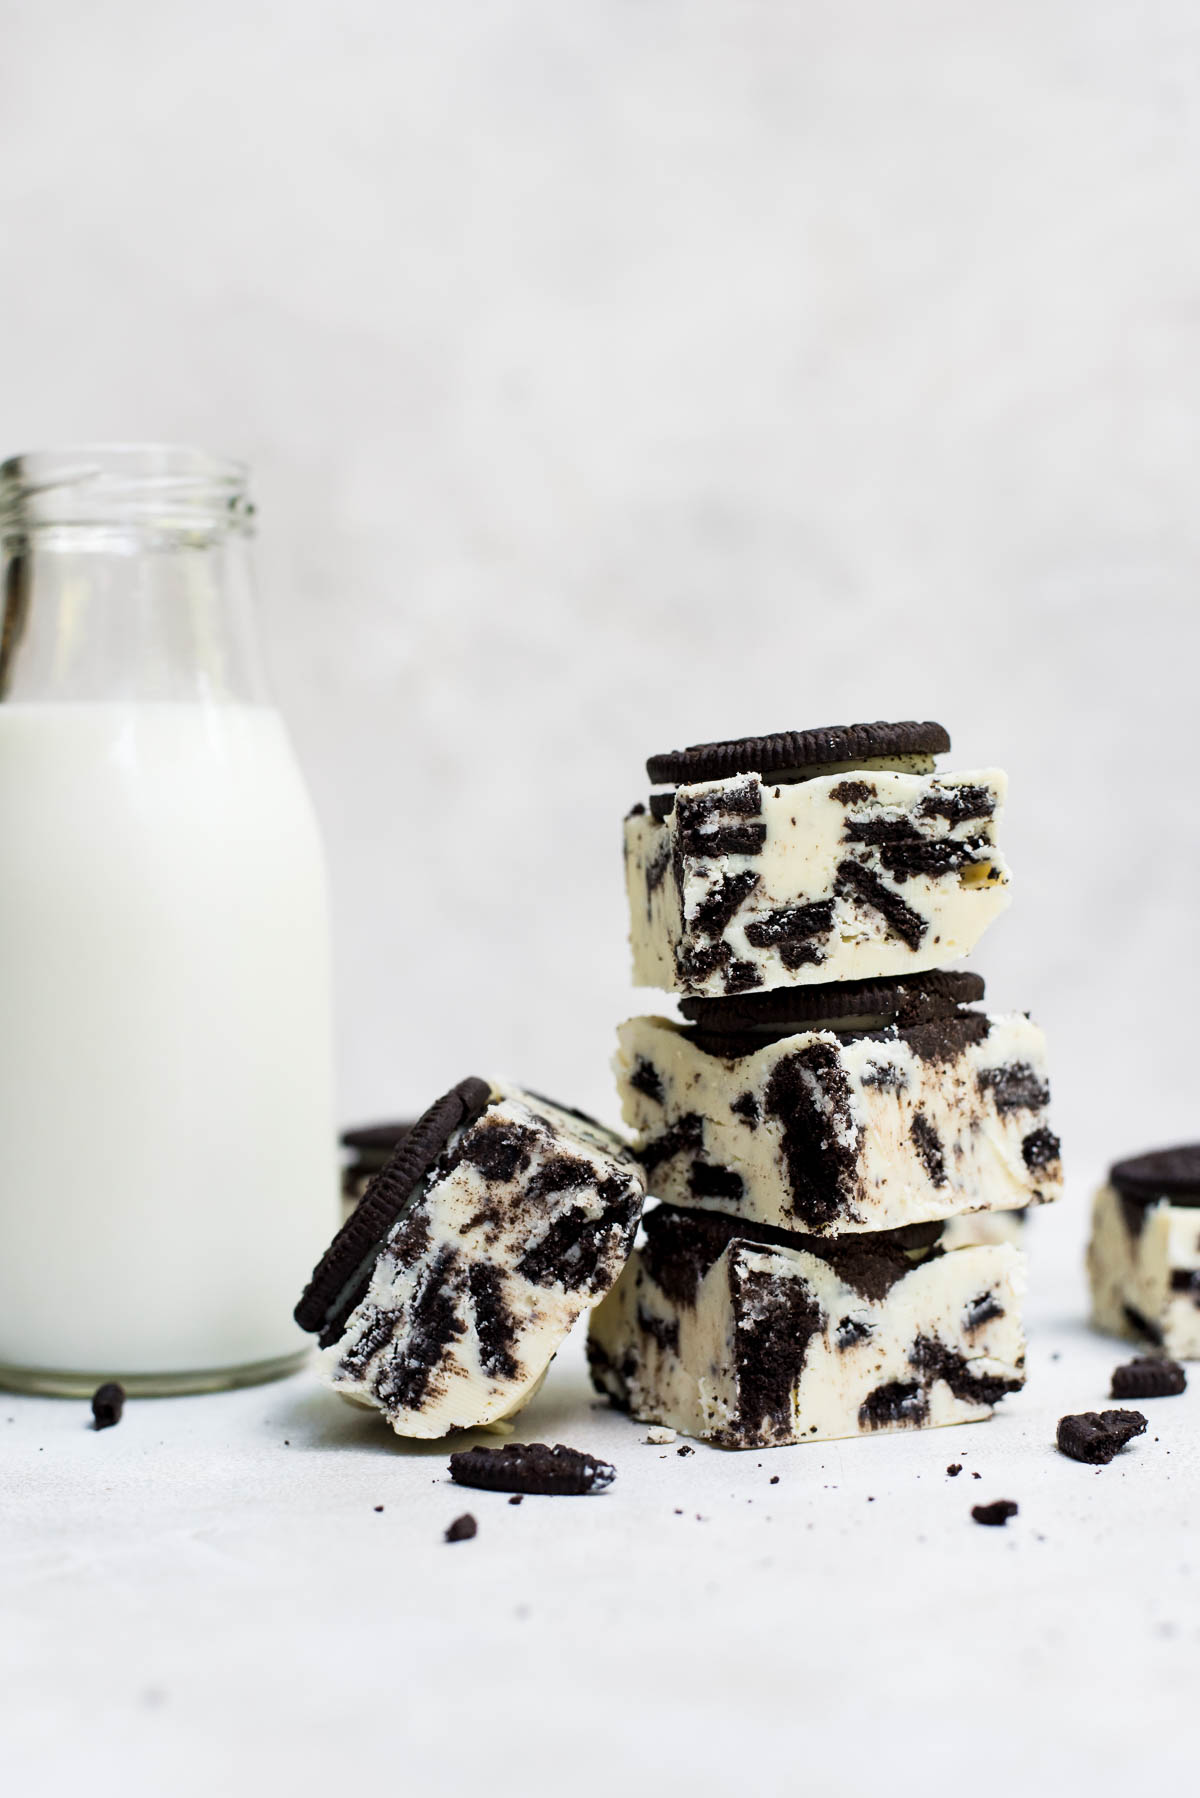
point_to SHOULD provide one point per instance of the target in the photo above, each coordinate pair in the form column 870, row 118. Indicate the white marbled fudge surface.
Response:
column 747, row 884
column 974, row 1229
column 751, row 1342
column 826, row 1134
column 1144, row 1271
column 524, row 1221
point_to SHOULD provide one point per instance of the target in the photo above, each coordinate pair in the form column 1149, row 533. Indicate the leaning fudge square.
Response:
column 1144, row 1252
column 827, row 1132
column 747, row 883
column 500, row 1218
column 753, row 1339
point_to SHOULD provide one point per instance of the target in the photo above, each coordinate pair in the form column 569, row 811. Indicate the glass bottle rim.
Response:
column 170, row 486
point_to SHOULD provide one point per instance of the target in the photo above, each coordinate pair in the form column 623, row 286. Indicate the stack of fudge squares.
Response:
column 839, row 1138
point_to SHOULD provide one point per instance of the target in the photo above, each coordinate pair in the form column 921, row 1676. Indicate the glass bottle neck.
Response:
column 126, row 576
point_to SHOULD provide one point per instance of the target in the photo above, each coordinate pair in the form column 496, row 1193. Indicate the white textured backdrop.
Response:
column 620, row 374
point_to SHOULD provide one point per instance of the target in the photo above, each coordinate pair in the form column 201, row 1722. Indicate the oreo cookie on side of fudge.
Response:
column 1144, row 1251
column 820, row 1110
column 811, row 857
column 498, row 1219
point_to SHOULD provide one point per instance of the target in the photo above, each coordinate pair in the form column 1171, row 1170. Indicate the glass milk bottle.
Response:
column 167, row 1163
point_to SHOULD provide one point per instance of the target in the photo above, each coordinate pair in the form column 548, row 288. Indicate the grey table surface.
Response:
column 207, row 1597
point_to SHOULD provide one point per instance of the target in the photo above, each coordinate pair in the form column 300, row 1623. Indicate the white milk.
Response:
column 167, row 1173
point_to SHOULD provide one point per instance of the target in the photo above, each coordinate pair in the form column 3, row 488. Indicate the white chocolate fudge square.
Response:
column 751, row 1341
column 827, row 1134
column 748, row 884
column 1144, row 1271
column 973, row 1229
column 523, row 1222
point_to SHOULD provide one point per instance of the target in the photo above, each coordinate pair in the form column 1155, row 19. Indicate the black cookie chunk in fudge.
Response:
column 810, row 857
column 753, row 1337
column 499, row 1218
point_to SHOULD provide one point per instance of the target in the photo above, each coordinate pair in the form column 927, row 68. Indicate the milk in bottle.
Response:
column 167, row 1171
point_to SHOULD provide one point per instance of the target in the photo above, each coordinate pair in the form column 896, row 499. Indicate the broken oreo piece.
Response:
column 1096, row 1436
column 532, row 1467
column 338, row 1278
column 462, row 1529
column 791, row 751
column 995, row 1514
column 1148, row 1376
column 905, row 999
column 108, row 1402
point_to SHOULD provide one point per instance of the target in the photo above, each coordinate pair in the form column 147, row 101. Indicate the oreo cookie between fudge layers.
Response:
column 497, row 1221
column 743, row 882
column 1144, row 1251
column 751, row 1338
column 827, row 1134
column 845, row 1007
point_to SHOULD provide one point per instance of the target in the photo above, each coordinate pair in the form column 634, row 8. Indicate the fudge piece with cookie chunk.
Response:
column 499, row 1218
column 754, row 1338
column 810, row 857
column 862, row 1106
column 1144, row 1254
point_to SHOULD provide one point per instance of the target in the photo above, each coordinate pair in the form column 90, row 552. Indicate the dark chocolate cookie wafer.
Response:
column 997, row 1514
column 532, row 1467
column 795, row 751
column 339, row 1277
column 906, row 999
column 1148, row 1376
column 1171, row 1174
column 1096, row 1436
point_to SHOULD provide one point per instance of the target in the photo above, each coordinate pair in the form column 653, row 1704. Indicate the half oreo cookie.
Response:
column 794, row 754
column 532, row 1467
column 907, row 999
column 1170, row 1174
column 340, row 1277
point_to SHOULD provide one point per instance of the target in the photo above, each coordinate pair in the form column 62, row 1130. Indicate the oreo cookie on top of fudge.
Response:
column 810, row 857
column 498, row 1219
